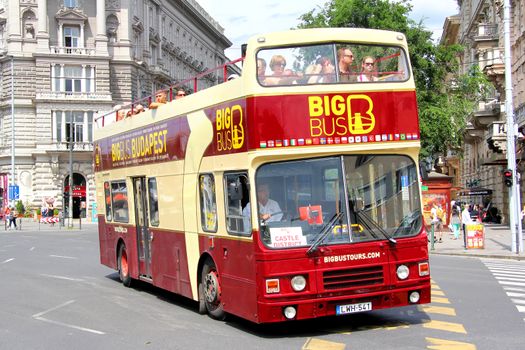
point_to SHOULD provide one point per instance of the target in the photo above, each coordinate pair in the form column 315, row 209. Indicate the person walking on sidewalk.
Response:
column 465, row 220
column 437, row 221
column 455, row 221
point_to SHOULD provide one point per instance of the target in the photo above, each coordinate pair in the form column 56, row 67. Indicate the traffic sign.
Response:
column 14, row 192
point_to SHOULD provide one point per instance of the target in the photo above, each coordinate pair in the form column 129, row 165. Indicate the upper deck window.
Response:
column 331, row 63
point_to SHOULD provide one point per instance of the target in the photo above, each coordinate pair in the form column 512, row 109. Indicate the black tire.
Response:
column 202, row 303
column 123, row 266
column 211, row 287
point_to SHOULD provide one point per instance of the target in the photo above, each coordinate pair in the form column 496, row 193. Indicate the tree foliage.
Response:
column 443, row 108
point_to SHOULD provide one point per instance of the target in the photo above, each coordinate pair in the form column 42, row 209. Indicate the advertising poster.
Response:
column 475, row 236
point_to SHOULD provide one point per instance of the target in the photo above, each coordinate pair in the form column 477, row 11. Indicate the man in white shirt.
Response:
column 269, row 210
column 465, row 219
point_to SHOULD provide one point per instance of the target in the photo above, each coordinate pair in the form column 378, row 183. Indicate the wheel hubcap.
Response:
column 211, row 287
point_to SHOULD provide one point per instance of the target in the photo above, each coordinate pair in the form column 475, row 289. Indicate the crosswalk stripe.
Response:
column 516, row 295
column 437, row 292
column 513, row 289
column 518, row 301
column 521, row 308
column 507, row 273
column 320, row 344
column 445, row 326
column 508, row 279
column 513, row 283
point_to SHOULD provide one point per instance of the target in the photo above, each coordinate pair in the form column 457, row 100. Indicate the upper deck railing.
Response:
column 140, row 105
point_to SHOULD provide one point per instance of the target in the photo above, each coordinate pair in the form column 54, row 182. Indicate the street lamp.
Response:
column 13, row 181
column 70, row 182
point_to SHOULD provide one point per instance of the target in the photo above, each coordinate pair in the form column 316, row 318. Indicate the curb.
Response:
column 487, row 256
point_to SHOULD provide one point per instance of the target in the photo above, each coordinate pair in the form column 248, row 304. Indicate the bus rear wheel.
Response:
column 123, row 267
column 211, row 289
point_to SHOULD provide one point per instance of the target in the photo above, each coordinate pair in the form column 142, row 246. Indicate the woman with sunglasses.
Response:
column 367, row 72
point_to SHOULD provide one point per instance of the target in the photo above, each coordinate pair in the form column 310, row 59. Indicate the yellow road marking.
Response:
column 442, row 344
column 445, row 326
column 435, row 287
column 442, row 310
column 440, row 300
column 437, row 292
column 319, row 344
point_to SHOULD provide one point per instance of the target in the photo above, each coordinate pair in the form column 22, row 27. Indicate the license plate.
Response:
column 353, row 308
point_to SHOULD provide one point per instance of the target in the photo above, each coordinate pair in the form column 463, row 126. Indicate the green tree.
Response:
column 443, row 107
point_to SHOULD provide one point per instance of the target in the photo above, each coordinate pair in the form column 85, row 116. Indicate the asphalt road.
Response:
column 55, row 295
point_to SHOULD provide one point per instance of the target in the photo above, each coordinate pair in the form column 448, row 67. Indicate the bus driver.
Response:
column 269, row 210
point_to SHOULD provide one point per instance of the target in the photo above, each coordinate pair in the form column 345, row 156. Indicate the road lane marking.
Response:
column 63, row 277
column 512, row 283
column 437, row 293
column 442, row 344
column 499, row 278
column 445, row 326
column 521, row 308
column 39, row 317
column 319, row 344
column 439, row 300
column 442, row 310
column 6, row 261
column 31, row 249
column 518, row 301
column 63, row 257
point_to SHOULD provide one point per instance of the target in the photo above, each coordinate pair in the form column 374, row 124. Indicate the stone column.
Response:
column 101, row 40
column 42, row 35
column 62, row 79
column 83, row 81
column 92, row 77
column 14, row 37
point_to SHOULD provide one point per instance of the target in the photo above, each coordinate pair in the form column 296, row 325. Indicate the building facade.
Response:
column 479, row 28
column 64, row 61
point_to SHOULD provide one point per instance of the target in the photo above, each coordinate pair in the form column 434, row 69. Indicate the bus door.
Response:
column 144, row 236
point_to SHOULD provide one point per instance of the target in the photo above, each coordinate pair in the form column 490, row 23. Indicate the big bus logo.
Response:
column 338, row 115
column 228, row 127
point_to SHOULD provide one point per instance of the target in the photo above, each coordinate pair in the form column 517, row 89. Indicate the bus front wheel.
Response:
column 123, row 267
column 211, row 291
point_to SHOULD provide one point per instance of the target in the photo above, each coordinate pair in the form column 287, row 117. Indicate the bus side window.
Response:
column 119, row 200
column 237, row 199
column 107, row 201
column 208, row 204
column 153, row 200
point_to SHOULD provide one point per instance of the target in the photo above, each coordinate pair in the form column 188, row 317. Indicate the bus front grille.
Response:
column 353, row 278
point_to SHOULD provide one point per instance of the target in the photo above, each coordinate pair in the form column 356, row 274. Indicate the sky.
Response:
column 243, row 19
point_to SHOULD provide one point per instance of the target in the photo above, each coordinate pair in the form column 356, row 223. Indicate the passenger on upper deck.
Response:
column 320, row 72
column 160, row 99
column 180, row 94
column 261, row 69
column 367, row 72
column 279, row 76
column 345, row 58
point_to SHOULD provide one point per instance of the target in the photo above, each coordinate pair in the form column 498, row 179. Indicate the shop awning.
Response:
column 476, row 191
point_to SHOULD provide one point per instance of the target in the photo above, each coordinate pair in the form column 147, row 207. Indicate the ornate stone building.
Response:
column 62, row 61
column 479, row 28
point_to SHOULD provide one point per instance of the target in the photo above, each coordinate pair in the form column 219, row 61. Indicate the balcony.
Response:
column 486, row 112
column 472, row 134
column 72, row 51
column 486, row 32
column 497, row 136
column 62, row 146
column 73, row 96
column 491, row 62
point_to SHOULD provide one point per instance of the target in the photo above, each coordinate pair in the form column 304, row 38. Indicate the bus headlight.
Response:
column 413, row 297
column 298, row 283
column 289, row 312
column 402, row 272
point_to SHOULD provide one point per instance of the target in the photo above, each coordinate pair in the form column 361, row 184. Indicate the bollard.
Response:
column 432, row 236
column 80, row 223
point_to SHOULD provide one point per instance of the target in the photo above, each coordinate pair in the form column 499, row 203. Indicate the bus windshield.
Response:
column 345, row 199
column 331, row 63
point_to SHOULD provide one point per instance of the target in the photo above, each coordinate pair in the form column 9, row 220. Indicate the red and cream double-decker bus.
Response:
column 290, row 192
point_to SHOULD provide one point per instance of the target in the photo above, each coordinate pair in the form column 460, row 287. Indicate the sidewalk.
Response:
column 29, row 224
column 498, row 242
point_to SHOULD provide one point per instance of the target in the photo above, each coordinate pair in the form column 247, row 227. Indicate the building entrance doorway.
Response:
column 79, row 196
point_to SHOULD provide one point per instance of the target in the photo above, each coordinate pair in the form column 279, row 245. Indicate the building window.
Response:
column 73, row 79
column 71, row 36
column 70, row 4
column 119, row 201
column 73, row 126
column 237, row 199
column 153, row 199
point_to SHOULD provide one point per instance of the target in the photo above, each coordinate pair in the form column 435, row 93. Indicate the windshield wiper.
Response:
column 408, row 221
column 370, row 223
column 324, row 233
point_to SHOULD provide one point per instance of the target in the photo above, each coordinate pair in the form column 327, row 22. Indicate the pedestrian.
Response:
column 11, row 217
column 455, row 221
column 465, row 220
